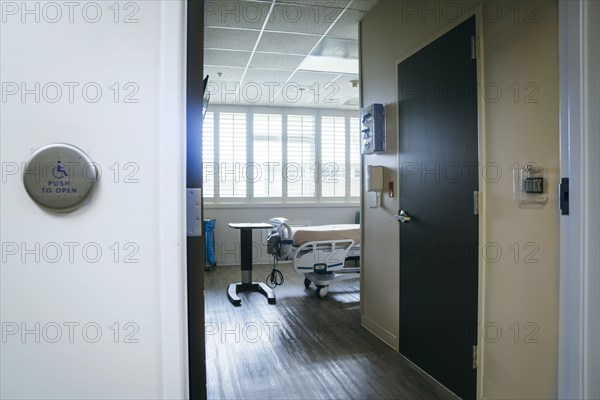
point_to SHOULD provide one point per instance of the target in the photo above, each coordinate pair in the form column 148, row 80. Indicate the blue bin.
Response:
column 209, row 242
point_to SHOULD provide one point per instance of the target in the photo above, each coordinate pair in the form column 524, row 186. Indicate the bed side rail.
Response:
column 324, row 255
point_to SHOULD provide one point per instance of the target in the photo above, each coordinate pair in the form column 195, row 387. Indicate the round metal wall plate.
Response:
column 59, row 177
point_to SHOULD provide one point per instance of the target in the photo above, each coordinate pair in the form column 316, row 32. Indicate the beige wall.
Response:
column 516, row 45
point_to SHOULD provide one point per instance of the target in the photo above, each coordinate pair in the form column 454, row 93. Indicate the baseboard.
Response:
column 381, row 333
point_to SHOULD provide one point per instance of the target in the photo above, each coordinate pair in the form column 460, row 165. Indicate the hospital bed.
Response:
column 317, row 252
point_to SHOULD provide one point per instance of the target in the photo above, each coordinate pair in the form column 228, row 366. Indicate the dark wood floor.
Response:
column 300, row 348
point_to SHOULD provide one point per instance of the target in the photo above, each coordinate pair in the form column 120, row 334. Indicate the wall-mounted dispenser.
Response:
column 530, row 185
column 373, row 128
column 374, row 183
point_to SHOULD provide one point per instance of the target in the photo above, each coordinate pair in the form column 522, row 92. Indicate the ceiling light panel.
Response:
column 337, row 47
column 329, row 64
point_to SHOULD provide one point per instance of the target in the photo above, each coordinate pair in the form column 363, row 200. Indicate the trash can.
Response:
column 209, row 243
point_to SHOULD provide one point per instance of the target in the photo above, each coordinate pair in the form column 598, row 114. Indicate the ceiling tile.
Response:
column 316, row 80
column 294, row 28
column 235, row 13
column 224, row 92
column 293, row 18
column 226, row 58
column 227, row 73
column 347, row 91
column 362, row 5
column 266, row 75
column 275, row 61
column 230, row 39
column 353, row 102
column 330, row 101
column 260, row 85
column 347, row 26
column 348, row 77
column 345, row 85
column 287, row 43
column 292, row 96
column 318, row 3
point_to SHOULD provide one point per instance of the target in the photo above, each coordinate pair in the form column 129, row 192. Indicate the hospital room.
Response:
column 345, row 153
column 282, row 165
column 299, row 199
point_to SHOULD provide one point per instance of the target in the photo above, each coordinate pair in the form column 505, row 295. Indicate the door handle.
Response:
column 403, row 217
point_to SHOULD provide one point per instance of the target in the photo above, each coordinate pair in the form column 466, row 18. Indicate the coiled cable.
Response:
column 275, row 278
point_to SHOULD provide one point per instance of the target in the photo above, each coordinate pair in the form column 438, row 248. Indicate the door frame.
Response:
column 474, row 11
column 579, row 324
column 194, row 51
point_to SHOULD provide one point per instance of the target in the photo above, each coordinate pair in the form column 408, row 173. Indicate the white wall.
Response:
column 513, row 48
column 227, row 240
column 46, row 294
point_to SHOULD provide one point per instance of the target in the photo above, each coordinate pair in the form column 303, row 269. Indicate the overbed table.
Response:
column 246, row 285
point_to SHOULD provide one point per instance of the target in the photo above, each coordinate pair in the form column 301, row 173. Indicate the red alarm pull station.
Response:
column 391, row 189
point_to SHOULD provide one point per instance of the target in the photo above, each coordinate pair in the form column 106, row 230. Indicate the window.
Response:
column 354, row 157
column 280, row 156
column 232, row 169
column 333, row 156
column 208, row 154
column 267, row 155
column 301, row 163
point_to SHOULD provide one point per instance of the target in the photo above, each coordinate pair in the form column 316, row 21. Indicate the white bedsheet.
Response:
column 303, row 234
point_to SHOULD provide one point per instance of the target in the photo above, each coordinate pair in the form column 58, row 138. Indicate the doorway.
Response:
column 438, row 156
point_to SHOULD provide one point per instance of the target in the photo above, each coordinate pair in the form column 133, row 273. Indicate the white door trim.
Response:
column 579, row 358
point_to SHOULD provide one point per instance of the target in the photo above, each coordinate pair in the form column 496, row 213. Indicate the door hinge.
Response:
column 473, row 48
column 193, row 211
column 474, row 357
column 564, row 196
column 475, row 202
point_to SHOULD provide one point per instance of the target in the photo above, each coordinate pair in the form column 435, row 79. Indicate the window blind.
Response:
column 278, row 156
column 333, row 156
column 267, row 155
column 355, row 136
column 232, row 155
column 301, row 160
column 209, row 167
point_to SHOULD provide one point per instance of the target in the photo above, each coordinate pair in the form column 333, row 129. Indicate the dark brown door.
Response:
column 438, row 177
column 194, row 241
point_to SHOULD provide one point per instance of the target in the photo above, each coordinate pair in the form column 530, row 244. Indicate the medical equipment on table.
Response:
column 317, row 252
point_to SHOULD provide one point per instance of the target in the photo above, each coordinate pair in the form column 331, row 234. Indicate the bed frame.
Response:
column 321, row 262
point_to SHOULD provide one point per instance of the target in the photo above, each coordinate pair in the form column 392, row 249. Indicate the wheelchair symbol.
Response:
column 59, row 172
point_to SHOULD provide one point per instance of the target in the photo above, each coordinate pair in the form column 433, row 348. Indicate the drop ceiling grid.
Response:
column 339, row 16
column 269, row 50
